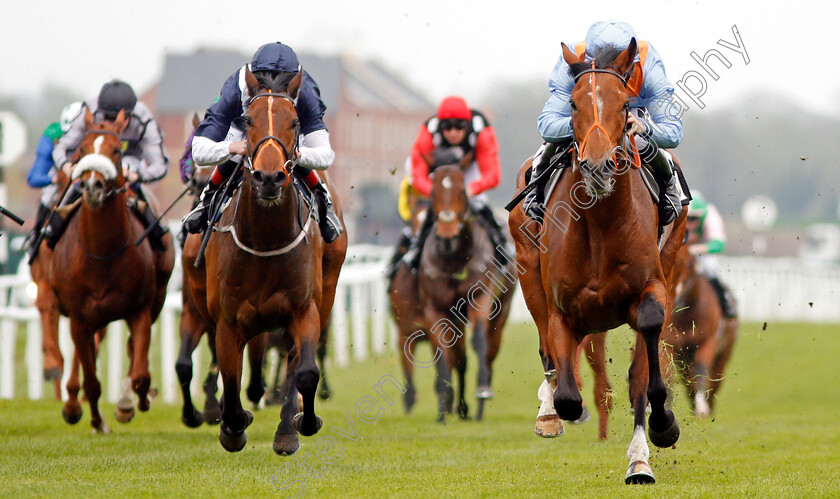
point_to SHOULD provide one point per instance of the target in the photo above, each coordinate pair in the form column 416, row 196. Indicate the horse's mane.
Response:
column 604, row 57
column 274, row 81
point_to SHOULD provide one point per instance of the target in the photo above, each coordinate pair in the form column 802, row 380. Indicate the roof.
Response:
column 191, row 82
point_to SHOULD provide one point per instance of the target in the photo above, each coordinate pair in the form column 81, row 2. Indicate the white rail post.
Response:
column 34, row 359
column 167, row 353
column 339, row 326
column 380, row 315
column 359, row 308
column 8, row 328
column 68, row 350
column 115, row 360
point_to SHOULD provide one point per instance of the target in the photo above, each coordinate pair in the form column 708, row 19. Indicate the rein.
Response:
column 289, row 154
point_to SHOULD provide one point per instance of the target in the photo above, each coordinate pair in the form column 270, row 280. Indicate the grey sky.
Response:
column 440, row 46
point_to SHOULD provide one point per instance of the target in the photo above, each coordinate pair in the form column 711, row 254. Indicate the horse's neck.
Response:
column 106, row 228
column 266, row 226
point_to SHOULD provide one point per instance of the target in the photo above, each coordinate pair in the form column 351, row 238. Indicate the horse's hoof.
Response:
column 102, row 429
column 665, row 438
column 324, row 393
column 298, row 424
column 441, row 418
column 212, row 414
column 286, row 444
column 52, row 374
column 484, row 392
column 71, row 417
column 639, row 472
column 123, row 415
column 192, row 420
column 230, row 441
column 463, row 411
column 549, row 426
column 409, row 399
column 586, row 416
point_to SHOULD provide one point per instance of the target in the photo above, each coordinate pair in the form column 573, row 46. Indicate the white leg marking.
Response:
column 701, row 407
column 638, row 450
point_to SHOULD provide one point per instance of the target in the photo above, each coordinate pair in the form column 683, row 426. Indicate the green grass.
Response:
column 775, row 434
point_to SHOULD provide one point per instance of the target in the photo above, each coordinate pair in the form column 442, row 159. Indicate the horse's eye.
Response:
column 248, row 121
column 574, row 107
column 627, row 104
column 295, row 123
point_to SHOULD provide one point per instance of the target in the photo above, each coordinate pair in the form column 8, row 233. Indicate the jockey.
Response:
column 220, row 141
column 455, row 131
column 42, row 174
column 143, row 156
column 705, row 220
column 654, row 117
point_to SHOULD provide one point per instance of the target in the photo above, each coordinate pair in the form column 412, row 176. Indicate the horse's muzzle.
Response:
column 598, row 177
column 94, row 191
column 267, row 185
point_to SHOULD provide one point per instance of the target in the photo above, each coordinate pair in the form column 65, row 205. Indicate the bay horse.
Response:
column 594, row 263
column 193, row 327
column 700, row 339
column 99, row 276
column 267, row 267
column 461, row 283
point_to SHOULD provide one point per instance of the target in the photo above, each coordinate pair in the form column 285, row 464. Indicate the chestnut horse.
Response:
column 267, row 267
column 595, row 262
column 193, row 327
column 461, row 283
column 99, row 276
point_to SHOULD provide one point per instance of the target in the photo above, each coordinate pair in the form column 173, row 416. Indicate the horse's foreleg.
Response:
column 407, row 357
column 460, row 354
column 190, row 336
column 141, row 336
column 256, row 356
column 229, row 347
column 725, row 346
column 286, row 440
column 567, row 400
column 596, row 355
column 698, row 385
column 72, row 409
column 53, row 360
column 305, row 331
column 650, row 317
column 212, row 404
column 324, row 389
column 86, row 350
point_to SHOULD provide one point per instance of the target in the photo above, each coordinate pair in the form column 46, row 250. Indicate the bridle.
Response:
column 114, row 189
column 289, row 154
column 627, row 140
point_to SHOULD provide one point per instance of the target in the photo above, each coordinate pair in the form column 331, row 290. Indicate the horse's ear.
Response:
column 88, row 118
column 251, row 82
column 294, row 85
column 624, row 62
column 195, row 120
column 569, row 56
column 120, row 122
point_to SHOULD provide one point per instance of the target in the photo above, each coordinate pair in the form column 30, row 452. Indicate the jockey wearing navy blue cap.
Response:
column 219, row 139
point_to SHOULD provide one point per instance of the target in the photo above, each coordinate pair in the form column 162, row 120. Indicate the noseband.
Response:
column 115, row 189
column 289, row 154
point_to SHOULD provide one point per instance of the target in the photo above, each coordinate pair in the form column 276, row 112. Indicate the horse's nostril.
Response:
column 259, row 176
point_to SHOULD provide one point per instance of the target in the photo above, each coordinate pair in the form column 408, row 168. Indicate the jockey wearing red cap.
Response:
column 455, row 131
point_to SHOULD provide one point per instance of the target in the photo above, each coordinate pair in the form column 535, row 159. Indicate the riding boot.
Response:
column 57, row 223
column 534, row 202
column 328, row 220
column 196, row 220
column 402, row 247
column 670, row 192
column 149, row 219
column 412, row 256
column 497, row 236
column 727, row 302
